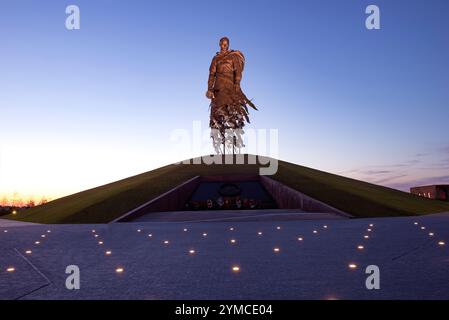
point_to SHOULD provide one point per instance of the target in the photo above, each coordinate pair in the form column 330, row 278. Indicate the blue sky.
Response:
column 85, row 107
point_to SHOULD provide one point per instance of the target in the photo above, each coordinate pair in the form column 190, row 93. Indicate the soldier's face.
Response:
column 224, row 45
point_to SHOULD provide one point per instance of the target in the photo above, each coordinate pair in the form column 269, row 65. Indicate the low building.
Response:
column 438, row 192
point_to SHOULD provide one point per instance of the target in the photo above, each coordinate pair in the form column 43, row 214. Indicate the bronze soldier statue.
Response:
column 229, row 105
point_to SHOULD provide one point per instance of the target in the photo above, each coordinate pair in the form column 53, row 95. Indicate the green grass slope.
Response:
column 107, row 202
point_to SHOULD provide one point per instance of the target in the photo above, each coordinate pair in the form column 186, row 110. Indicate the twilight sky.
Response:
column 86, row 107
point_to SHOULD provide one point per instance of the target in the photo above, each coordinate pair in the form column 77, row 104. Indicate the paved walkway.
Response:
column 5, row 223
column 301, row 259
column 236, row 215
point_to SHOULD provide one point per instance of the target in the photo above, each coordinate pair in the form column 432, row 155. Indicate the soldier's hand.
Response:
column 209, row 94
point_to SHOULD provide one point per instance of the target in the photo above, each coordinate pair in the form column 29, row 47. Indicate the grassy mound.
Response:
column 107, row 202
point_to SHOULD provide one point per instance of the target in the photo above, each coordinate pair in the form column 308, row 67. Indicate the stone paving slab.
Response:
column 14, row 285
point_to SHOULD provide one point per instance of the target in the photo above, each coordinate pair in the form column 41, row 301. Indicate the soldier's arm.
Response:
column 212, row 72
column 237, row 72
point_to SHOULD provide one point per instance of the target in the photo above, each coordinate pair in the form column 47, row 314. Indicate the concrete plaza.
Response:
column 275, row 258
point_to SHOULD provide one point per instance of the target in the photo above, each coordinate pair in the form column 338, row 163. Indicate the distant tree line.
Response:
column 17, row 204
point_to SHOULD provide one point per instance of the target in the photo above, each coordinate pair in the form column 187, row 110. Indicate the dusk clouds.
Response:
column 422, row 169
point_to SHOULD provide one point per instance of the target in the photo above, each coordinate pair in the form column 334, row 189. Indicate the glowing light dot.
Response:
column 325, row 227
column 360, row 247
column 37, row 242
column 278, row 227
column 300, row 239
column 441, row 243
column 28, row 252
column 415, row 223
column 96, row 236
column 10, row 269
column 42, row 235
column 166, row 242
column 108, row 253
column 371, row 225
column 100, row 242
column 431, row 234
column 14, row 212
column 366, row 236
column 48, row 231
column 150, row 235
column 236, row 269
column 315, row 232
column 5, row 231
column 233, row 241
column 139, row 230
column 231, row 229
column 93, row 231
column 352, row 266
column 276, row 250
column 185, row 230
column 369, row 230
column 119, row 270
column 423, row 228
column 191, row 251
column 259, row 233
column 204, row 234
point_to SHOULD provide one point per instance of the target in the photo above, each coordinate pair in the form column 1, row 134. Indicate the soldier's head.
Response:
column 224, row 44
